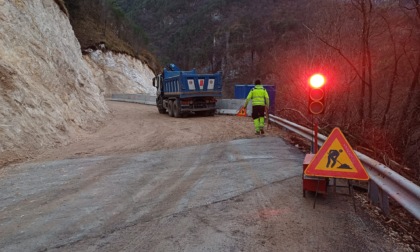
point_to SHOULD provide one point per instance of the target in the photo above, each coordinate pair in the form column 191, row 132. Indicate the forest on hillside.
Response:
column 369, row 50
column 97, row 22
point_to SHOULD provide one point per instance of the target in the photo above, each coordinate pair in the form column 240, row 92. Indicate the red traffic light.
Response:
column 317, row 81
column 316, row 103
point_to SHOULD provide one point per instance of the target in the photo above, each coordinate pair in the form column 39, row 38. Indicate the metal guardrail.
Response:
column 383, row 183
column 136, row 98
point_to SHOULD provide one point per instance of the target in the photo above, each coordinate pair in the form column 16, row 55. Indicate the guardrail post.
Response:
column 378, row 197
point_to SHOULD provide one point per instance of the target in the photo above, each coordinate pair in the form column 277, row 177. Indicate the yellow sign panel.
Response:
column 336, row 159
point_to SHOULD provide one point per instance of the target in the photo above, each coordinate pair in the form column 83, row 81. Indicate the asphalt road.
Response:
column 242, row 195
column 148, row 182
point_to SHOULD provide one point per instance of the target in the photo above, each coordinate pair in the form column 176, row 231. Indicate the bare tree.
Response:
column 365, row 7
column 415, row 67
column 396, row 59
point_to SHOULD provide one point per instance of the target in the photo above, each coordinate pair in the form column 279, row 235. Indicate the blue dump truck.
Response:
column 183, row 92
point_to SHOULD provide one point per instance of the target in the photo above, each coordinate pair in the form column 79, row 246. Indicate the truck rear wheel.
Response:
column 177, row 108
column 171, row 108
column 160, row 107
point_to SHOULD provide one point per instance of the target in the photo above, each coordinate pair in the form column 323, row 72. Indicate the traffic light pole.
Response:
column 316, row 136
column 314, row 143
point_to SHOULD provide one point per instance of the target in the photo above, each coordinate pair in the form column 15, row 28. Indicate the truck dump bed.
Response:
column 185, row 84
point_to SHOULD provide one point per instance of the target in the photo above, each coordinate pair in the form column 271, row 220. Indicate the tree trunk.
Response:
column 362, row 88
column 369, row 84
column 366, row 9
column 394, row 77
column 406, row 116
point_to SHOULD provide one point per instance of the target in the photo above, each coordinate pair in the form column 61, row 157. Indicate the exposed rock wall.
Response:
column 121, row 73
column 48, row 90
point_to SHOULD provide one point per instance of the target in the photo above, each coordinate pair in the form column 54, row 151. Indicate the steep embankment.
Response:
column 48, row 90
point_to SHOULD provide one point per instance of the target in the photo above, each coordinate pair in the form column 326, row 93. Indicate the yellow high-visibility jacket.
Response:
column 259, row 96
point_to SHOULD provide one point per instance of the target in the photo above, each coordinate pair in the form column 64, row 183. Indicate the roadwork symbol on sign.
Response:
column 336, row 159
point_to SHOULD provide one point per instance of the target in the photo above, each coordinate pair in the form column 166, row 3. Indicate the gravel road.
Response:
column 148, row 182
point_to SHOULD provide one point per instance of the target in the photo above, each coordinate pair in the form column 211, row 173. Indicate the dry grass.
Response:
column 91, row 32
column 90, row 35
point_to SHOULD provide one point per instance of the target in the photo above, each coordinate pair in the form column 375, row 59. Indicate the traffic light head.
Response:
column 317, row 81
column 316, row 104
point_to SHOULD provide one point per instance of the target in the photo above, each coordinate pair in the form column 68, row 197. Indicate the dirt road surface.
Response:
column 148, row 182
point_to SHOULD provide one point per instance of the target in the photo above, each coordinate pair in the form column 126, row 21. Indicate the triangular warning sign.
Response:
column 336, row 159
column 242, row 112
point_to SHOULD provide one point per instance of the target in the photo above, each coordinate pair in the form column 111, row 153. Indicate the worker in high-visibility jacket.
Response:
column 260, row 104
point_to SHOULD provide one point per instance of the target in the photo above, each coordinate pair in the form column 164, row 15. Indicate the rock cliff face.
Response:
column 48, row 90
column 120, row 73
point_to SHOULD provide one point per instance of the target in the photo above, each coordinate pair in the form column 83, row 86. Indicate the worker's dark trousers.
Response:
column 258, row 116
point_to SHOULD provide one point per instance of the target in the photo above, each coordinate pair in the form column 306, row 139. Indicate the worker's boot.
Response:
column 261, row 124
column 257, row 126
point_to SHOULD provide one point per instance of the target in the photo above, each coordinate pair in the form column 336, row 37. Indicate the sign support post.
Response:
column 335, row 159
